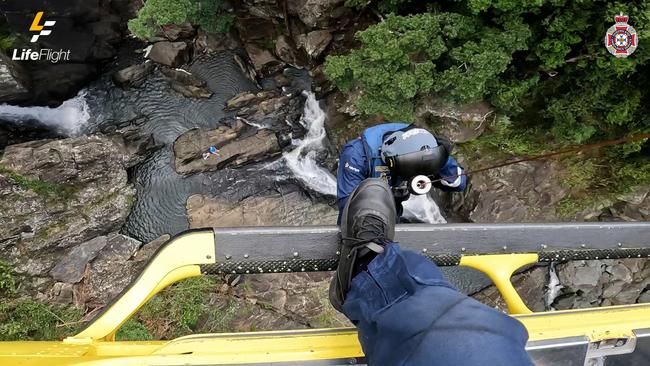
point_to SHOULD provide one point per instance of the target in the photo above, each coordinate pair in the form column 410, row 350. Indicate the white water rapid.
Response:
column 67, row 119
column 302, row 163
column 301, row 160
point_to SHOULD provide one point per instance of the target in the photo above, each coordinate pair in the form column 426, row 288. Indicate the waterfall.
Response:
column 302, row 162
column 67, row 119
column 422, row 208
column 302, row 159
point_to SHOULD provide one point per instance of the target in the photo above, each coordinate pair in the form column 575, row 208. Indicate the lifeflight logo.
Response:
column 47, row 54
column 37, row 27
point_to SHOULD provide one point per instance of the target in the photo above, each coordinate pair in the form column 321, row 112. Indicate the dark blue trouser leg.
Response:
column 408, row 314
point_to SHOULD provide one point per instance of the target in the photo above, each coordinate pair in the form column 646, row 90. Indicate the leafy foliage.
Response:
column 541, row 60
column 33, row 320
column 133, row 330
column 7, row 280
column 209, row 14
column 542, row 65
column 181, row 309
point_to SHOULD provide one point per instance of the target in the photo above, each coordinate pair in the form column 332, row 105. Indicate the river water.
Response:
column 154, row 109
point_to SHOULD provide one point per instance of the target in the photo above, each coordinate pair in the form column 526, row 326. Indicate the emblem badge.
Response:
column 621, row 39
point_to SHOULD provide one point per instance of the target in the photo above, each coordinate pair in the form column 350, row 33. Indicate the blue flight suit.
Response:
column 407, row 314
column 361, row 159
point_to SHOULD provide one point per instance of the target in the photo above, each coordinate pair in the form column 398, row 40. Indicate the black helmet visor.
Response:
column 425, row 162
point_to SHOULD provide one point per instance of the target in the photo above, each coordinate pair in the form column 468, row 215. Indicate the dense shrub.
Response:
column 541, row 62
column 209, row 14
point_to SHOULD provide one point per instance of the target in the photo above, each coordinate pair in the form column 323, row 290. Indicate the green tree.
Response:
column 209, row 14
column 541, row 59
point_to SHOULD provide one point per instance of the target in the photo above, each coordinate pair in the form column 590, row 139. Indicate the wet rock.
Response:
column 16, row 132
column 612, row 289
column 58, row 194
column 322, row 86
column 215, row 42
column 628, row 295
column 524, row 192
column 286, row 50
column 293, row 208
column 315, row 42
column 172, row 54
column 580, row 276
column 269, row 109
column 53, row 83
column 619, row 272
column 458, row 123
column 186, row 83
column 133, row 76
column 237, row 145
column 256, row 29
column 263, row 60
column 70, row 269
column 247, row 68
column 14, row 82
column 175, row 31
column 281, row 80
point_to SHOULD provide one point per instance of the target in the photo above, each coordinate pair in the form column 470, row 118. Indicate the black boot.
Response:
column 367, row 224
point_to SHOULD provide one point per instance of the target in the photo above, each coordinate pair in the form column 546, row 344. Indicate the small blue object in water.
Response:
column 213, row 150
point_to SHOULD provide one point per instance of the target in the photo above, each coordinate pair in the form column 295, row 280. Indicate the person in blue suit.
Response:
column 406, row 312
column 397, row 152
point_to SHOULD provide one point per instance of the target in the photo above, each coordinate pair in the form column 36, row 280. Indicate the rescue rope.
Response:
column 573, row 149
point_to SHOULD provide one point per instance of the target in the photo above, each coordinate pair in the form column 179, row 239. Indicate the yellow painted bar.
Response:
column 172, row 263
column 304, row 345
column 181, row 259
column 500, row 267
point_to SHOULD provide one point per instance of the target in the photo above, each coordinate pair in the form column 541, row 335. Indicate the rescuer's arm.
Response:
column 353, row 169
column 452, row 177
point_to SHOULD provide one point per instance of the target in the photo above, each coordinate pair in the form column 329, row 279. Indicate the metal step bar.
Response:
column 497, row 250
column 296, row 249
column 600, row 336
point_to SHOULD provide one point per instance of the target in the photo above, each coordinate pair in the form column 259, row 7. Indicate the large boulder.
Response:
column 286, row 50
column 272, row 110
column 237, row 144
column 314, row 42
column 56, row 195
column 134, row 75
column 14, row 84
column 293, row 208
column 263, row 60
column 186, row 83
column 172, row 54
